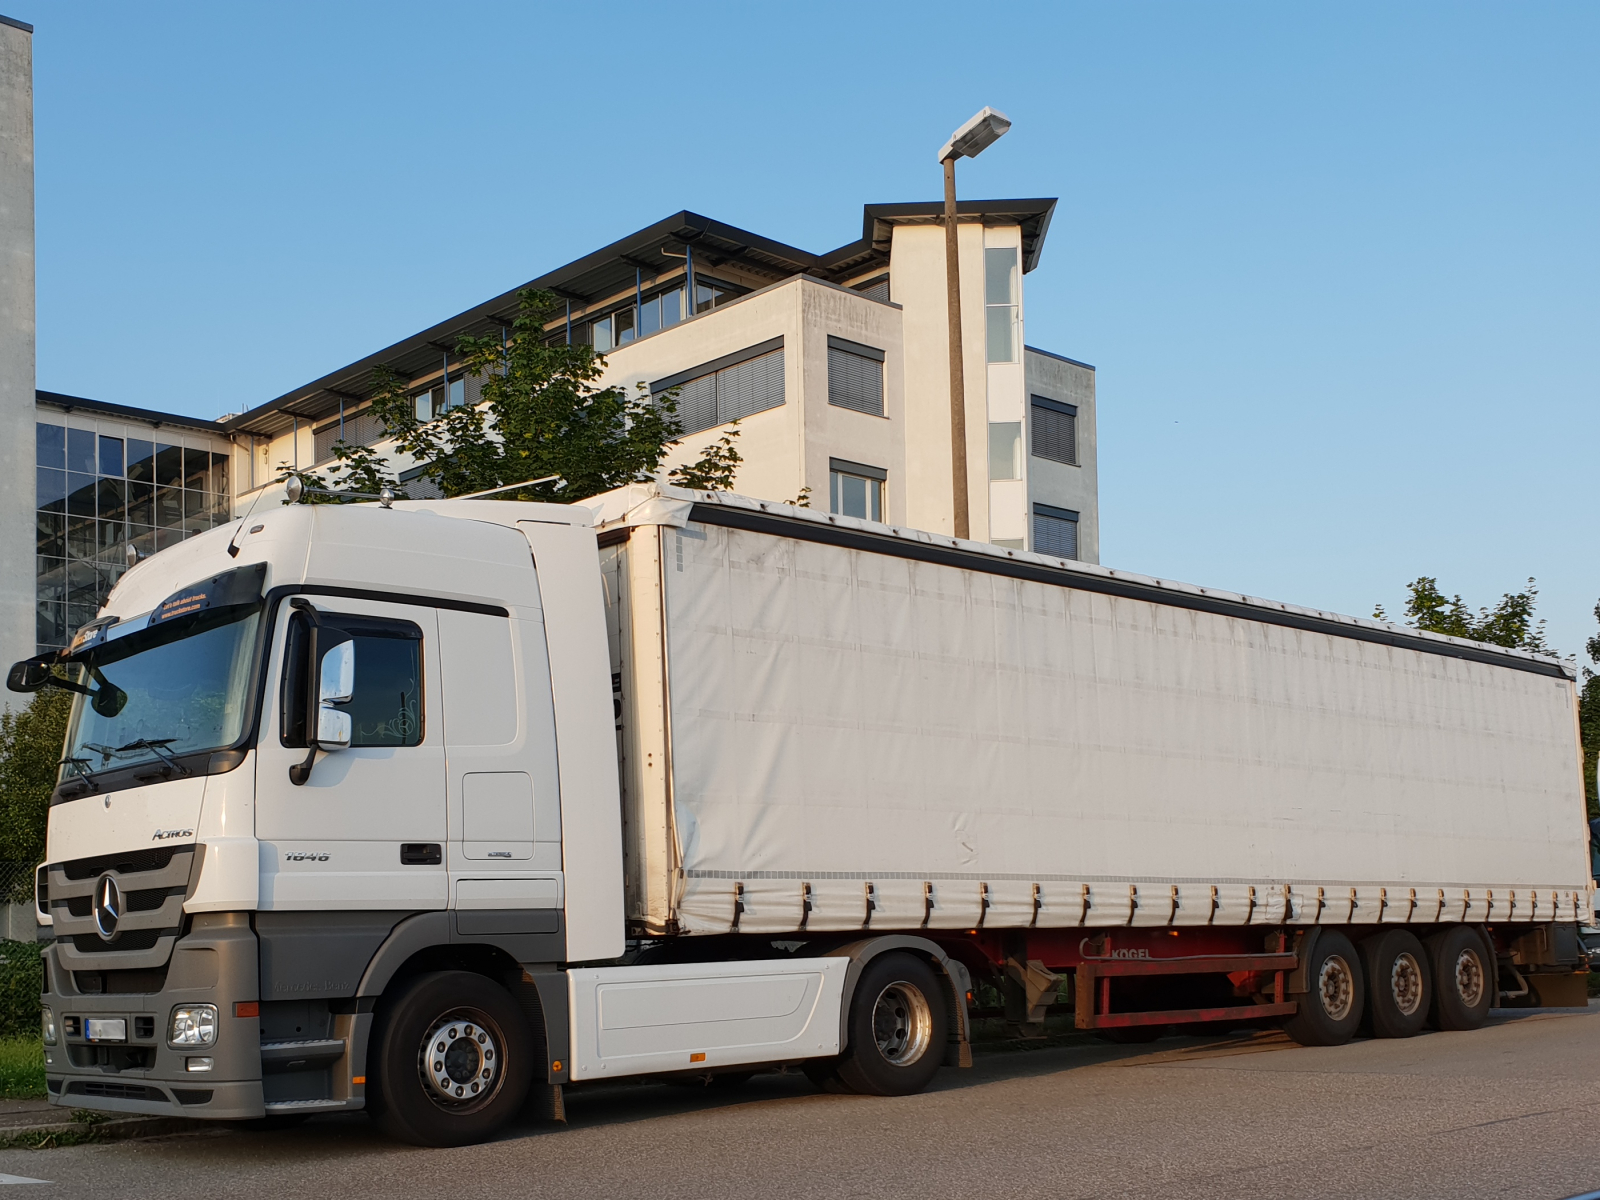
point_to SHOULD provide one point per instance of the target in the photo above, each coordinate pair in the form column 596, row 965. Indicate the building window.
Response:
column 1055, row 531
column 727, row 389
column 1000, row 302
column 97, row 493
column 1005, row 450
column 855, row 490
column 709, row 294
column 874, row 289
column 660, row 311
column 855, row 376
column 1055, row 431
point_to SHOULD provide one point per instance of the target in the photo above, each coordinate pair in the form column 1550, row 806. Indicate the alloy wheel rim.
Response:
column 902, row 1024
column 1405, row 983
column 461, row 1061
column 1336, row 987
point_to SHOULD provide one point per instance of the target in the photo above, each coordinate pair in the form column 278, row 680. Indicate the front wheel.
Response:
column 452, row 1060
column 898, row 1022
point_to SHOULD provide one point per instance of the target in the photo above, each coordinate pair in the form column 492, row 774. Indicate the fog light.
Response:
column 194, row 1025
column 197, row 1064
column 47, row 1025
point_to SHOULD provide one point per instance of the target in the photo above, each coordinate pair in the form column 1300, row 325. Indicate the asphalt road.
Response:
column 1511, row 1110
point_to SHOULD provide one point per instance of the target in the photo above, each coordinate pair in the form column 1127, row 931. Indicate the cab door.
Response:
column 501, row 773
column 367, row 827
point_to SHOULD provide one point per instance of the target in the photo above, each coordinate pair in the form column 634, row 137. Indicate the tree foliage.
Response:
column 1589, row 722
column 31, row 740
column 541, row 415
column 1508, row 623
column 716, row 468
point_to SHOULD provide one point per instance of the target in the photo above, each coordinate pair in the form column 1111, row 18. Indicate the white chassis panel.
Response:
column 695, row 1016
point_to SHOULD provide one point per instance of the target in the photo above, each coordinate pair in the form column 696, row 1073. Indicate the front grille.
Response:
column 114, row 1091
column 131, row 982
column 126, row 863
column 134, row 939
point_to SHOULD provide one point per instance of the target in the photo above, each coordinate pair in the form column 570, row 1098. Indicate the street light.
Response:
column 971, row 140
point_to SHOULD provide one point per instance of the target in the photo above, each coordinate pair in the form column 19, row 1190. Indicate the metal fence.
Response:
column 21, row 971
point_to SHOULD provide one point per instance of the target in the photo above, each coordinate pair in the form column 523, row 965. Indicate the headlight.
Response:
column 194, row 1025
column 47, row 1025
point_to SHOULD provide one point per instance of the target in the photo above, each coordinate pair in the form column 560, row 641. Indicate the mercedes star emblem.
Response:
column 107, row 907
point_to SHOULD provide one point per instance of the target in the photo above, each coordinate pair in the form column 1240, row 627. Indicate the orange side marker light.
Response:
column 697, row 1058
column 247, row 1008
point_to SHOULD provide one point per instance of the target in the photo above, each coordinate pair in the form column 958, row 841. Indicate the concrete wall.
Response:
column 1049, row 482
column 788, row 448
column 16, row 346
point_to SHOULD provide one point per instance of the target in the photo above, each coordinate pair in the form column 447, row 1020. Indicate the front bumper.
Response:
column 216, row 963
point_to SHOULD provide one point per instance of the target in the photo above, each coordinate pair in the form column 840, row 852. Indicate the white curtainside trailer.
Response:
column 831, row 725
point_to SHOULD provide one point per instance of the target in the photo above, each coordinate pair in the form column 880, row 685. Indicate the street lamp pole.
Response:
column 969, row 141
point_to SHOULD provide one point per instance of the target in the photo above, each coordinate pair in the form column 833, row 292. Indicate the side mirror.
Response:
column 336, row 685
column 30, row 674
column 333, row 728
column 338, row 680
column 108, row 699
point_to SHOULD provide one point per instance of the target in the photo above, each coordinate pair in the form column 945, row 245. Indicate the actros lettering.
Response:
column 167, row 835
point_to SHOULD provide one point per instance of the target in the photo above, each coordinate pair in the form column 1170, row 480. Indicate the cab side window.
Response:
column 385, row 705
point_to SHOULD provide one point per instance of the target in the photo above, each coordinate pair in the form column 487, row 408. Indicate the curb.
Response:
column 77, row 1133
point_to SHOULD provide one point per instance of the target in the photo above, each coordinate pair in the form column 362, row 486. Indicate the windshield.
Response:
column 183, row 695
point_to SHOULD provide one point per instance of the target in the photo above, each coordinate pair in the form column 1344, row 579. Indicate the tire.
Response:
column 1399, row 983
column 1463, row 979
column 897, row 1024
column 448, row 1031
column 1330, row 1010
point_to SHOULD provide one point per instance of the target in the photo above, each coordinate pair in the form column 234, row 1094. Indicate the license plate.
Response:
column 105, row 1029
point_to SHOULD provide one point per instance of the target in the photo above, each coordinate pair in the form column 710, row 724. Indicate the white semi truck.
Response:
column 434, row 809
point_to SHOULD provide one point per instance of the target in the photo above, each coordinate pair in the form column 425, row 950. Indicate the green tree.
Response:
column 541, row 415
column 714, row 472
column 1508, row 623
column 31, row 740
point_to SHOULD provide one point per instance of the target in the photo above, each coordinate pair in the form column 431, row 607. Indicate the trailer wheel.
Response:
column 452, row 1060
column 1330, row 1010
column 1463, row 985
column 897, row 1028
column 1399, row 984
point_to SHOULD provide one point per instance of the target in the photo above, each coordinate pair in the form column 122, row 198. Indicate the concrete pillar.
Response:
column 17, row 379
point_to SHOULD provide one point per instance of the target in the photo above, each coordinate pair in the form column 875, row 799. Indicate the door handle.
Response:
column 421, row 854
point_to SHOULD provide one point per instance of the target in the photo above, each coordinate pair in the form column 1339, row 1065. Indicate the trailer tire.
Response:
column 897, row 1026
column 1399, row 983
column 1330, row 1009
column 455, row 1032
column 1463, row 979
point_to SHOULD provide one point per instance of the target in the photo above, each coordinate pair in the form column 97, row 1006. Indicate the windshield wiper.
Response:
column 81, row 766
column 156, row 746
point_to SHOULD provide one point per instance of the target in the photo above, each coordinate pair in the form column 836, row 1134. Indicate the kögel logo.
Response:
column 167, row 835
column 107, row 907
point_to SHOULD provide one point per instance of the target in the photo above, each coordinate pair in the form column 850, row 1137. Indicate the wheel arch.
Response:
column 956, row 978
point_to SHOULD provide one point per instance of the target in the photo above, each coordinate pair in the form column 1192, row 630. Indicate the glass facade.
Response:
column 96, row 494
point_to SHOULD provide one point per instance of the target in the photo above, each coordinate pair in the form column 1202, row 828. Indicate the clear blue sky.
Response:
column 1337, row 263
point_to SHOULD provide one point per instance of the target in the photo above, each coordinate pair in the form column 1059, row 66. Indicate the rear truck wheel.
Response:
column 1399, row 984
column 897, row 1026
column 1330, row 1010
column 453, row 1060
column 1463, row 979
